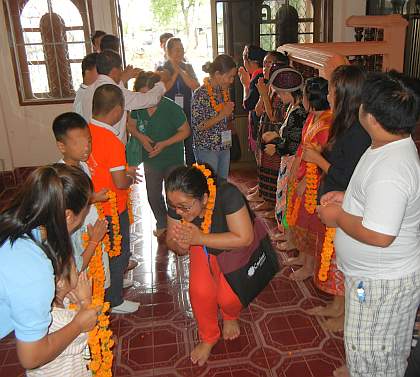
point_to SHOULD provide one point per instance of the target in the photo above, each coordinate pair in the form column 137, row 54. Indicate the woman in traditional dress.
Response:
column 305, row 232
column 282, row 139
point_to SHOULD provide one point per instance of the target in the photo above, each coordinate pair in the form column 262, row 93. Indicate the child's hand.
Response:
column 100, row 196
column 270, row 149
column 132, row 171
column 86, row 318
column 332, row 197
column 82, row 294
column 97, row 231
column 329, row 214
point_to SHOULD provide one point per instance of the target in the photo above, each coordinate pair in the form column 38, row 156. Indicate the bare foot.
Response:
column 231, row 329
column 295, row 261
column 201, row 353
column 334, row 324
column 253, row 189
column 341, row 372
column 302, row 274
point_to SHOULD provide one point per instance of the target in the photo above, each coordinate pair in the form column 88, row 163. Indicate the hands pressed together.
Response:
column 185, row 234
column 330, row 208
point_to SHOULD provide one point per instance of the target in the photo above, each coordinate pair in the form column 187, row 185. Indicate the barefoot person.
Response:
column 203, row 226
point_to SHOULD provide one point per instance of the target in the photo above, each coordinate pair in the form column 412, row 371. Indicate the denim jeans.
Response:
column 218, row 160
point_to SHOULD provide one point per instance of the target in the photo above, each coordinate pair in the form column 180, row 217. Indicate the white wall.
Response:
column 342, row 10
column 26, row 137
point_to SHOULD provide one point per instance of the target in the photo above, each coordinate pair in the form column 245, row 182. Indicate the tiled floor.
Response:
column 278, row 338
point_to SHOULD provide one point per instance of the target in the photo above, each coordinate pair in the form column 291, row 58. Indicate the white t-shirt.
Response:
column 133, row 101
column 385, row 191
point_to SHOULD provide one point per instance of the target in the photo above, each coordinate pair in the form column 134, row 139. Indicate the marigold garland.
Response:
column 206, row 224
column 312, row 180
column 99, row 339
column 216, row 106
column 326, row 255
column 292, row 210
column 130, row 206
column 115, row 224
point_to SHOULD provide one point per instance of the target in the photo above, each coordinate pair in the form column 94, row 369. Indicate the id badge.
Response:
column 179, row 100
column 227, row 138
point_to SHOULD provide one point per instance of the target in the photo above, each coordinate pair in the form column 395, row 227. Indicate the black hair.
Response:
column 97, row 34
column 66, row 122
column 89, row 62
column 171, row 41
column 279, row 57
column 222, row 64
column 42, row 201
column 110, row 42
column 391, row 101
column 106, row 61
column 146, row 79
column 189, row 180
column 316, row 91
column 297, row 95
column 105, row 98
column 256, row 54
column 347, row 81
column 165, row 36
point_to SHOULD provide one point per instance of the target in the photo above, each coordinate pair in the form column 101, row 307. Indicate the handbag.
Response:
column 248, row 270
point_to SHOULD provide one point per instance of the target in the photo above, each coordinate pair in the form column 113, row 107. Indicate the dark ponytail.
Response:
column 42, row 201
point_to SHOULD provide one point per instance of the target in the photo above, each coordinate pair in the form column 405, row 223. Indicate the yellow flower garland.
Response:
column 206, row 224
column 214, row 105
column 312, row 180
column 327, row 252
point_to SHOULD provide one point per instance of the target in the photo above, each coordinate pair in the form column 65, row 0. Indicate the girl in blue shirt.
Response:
column 35, row 247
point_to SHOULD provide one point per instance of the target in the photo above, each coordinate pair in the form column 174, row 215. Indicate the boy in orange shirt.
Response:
column 107, row 164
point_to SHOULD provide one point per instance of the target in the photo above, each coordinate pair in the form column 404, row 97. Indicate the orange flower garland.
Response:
column 130, row 206
column 327, row 252
column 206, row 224
column 115, row 224
column 292, row 210
column 214, row 105
column 311, row 187
column 99, row 339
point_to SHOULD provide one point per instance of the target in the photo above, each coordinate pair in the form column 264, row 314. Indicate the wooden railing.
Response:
column 322, row 58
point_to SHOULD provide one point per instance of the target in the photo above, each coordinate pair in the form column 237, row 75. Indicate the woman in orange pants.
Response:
column 205, row 219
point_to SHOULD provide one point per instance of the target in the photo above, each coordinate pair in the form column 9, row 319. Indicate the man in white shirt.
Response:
column 378, row 233
column 109, row 68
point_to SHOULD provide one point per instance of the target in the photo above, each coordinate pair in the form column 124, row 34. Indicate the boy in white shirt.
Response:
column 378, row 238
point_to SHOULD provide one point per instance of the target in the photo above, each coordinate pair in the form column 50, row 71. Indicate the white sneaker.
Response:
column 127, row 283
column 126, row 307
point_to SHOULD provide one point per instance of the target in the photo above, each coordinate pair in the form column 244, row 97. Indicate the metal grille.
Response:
column 49, row 39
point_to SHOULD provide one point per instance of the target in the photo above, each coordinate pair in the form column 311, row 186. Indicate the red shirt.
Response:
column 108, row 155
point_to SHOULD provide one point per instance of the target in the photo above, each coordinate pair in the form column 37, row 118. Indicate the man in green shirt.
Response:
column 161, row 131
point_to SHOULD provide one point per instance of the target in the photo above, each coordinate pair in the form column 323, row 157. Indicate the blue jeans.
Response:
column 218, row 160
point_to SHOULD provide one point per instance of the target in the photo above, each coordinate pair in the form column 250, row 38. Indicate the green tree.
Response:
column 165, row 11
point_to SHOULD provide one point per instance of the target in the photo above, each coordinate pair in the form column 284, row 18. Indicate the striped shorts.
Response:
column 378, row 331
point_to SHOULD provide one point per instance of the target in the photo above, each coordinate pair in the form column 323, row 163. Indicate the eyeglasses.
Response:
column 183, row 209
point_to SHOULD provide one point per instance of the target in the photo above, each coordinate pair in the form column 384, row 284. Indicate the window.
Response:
column 48, row 40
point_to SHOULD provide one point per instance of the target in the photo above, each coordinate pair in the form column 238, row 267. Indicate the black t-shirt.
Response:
column 228, row 200
column 343, row 157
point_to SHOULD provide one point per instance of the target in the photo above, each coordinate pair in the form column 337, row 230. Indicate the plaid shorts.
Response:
column 378, row 331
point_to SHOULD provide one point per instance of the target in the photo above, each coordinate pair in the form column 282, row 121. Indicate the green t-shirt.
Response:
column 162, row 125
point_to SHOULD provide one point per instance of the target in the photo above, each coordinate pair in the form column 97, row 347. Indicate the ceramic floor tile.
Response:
column 277, row 337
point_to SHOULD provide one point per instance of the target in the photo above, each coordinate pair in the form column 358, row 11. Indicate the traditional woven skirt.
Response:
column 281, row 192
